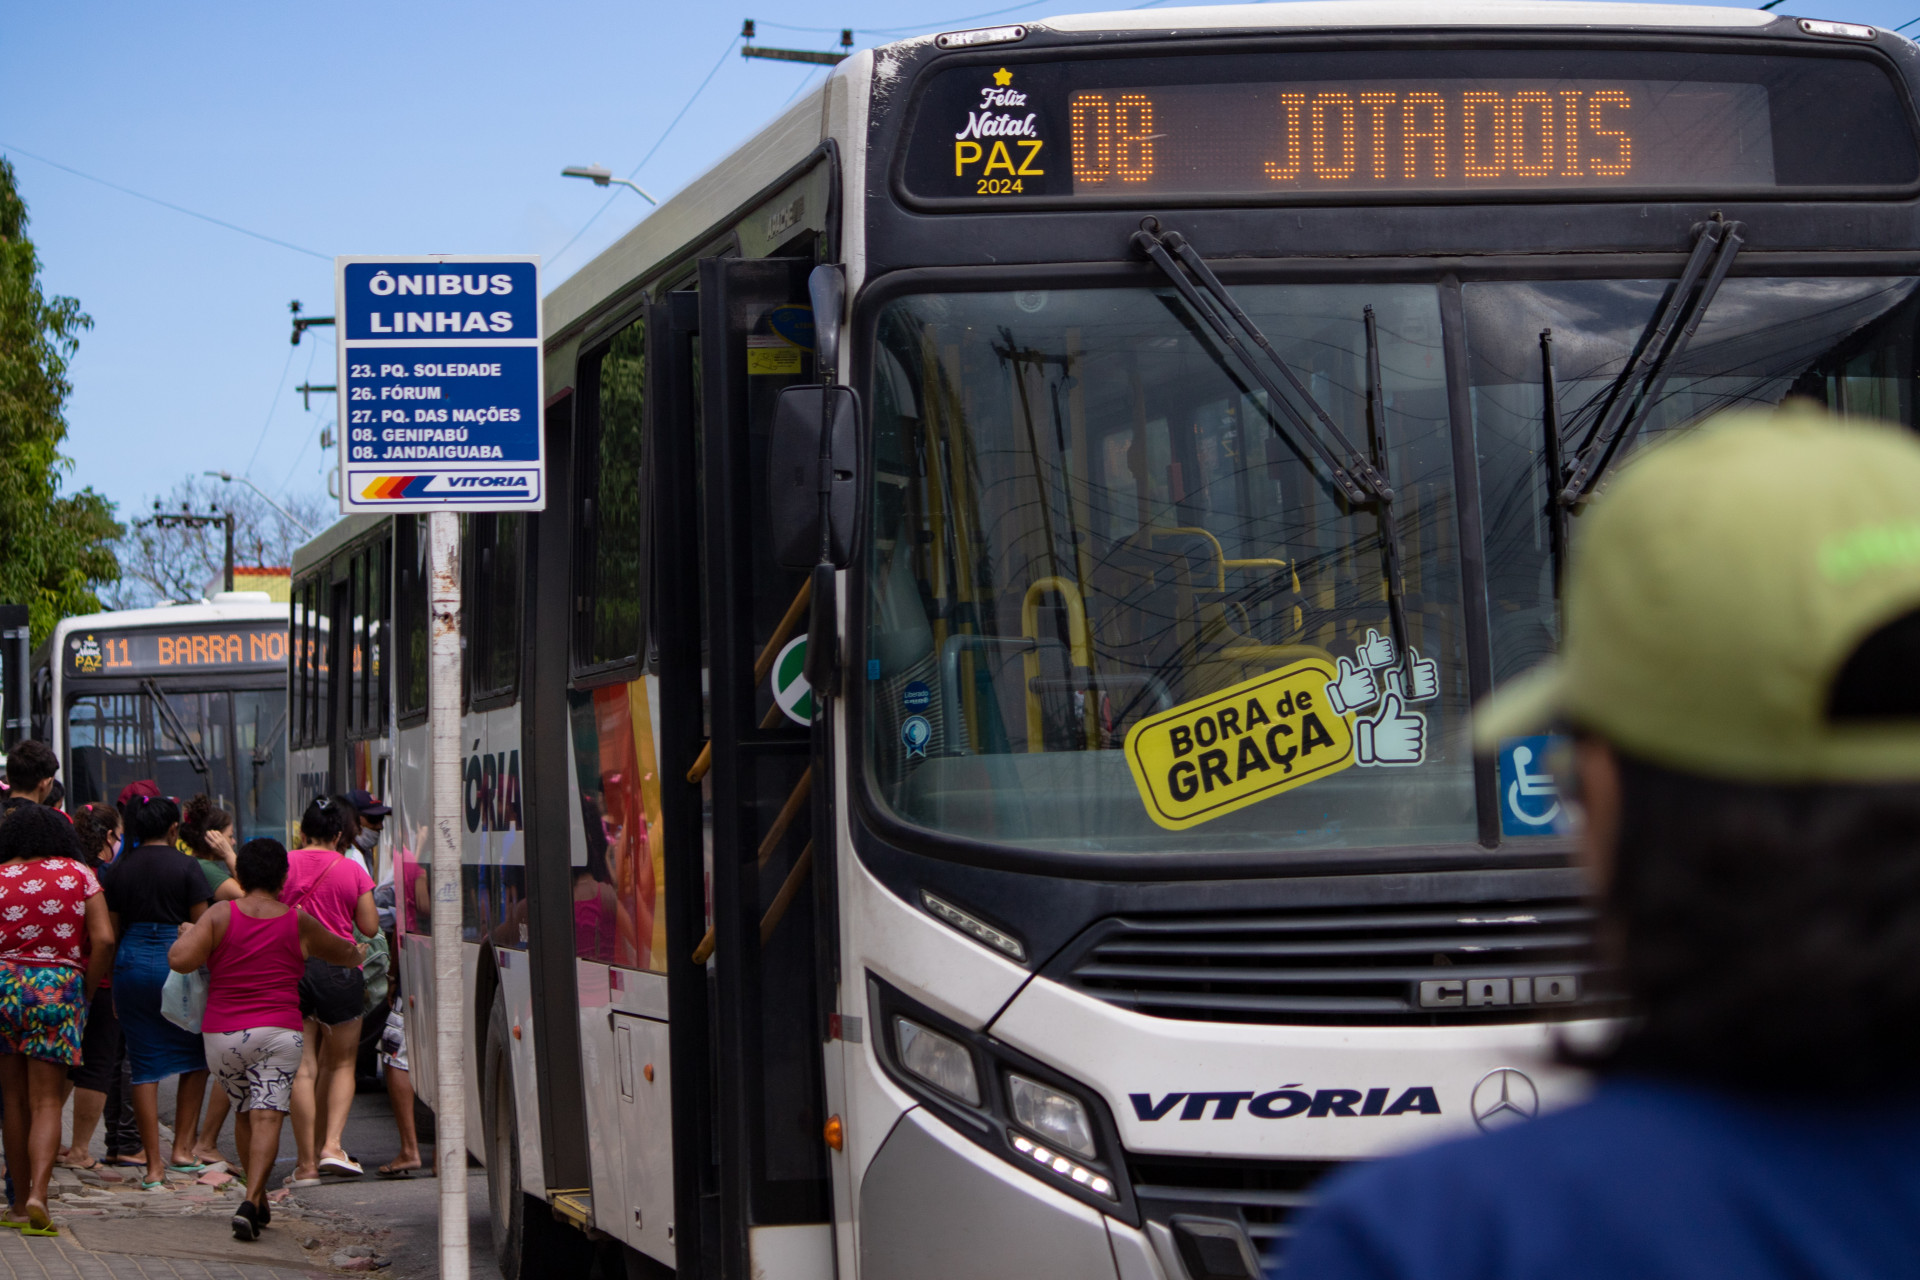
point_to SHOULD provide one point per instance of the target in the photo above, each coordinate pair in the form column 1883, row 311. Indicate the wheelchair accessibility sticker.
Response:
column 1282, row 730
column 1529, row 798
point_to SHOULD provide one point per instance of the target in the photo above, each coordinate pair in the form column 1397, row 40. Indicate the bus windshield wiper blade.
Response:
column 175, row 729
column 1362, row 478
column 1556, row 462
column 1629, row 408
column 263, row 749
column 1352, row 471
column 1383, row 509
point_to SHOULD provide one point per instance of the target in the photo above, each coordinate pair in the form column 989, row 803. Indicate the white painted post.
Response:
column 449, row 994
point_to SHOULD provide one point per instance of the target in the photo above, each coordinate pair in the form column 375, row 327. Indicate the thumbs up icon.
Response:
column 1394, row 737
column 1376, row 650
column 1352, row 689
column 1426, row 678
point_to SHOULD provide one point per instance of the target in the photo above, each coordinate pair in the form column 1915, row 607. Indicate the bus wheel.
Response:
column 528, row 1241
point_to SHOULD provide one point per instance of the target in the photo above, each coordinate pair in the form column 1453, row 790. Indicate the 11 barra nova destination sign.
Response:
column 441, row 383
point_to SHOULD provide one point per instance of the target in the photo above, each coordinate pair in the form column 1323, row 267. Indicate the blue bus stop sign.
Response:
column 1529, row 798
column 441, row 383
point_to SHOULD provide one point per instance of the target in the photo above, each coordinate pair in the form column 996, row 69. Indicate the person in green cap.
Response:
column 1741, row 681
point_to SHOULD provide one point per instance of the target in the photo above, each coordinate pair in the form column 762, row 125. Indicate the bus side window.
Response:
column 495, row 616
column 410, row 613
column 300, row 678
column 43, row 704
column 357, row 669
column 609, row 549
column 379, row 606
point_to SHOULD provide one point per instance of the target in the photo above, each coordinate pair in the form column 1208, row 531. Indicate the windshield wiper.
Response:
column 1556, row 462
column 1362, row 478
column 1352, row 471
column 175, row 729
column 1383, row 509
column 1631, row 405
column 263, row 750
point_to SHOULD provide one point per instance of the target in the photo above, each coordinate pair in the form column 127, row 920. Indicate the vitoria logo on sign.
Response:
column 441, row 383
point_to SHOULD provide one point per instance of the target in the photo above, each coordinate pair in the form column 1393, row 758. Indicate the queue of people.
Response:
column 100, row 908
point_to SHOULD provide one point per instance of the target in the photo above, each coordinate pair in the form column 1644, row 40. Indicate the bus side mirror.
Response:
column 793, row 475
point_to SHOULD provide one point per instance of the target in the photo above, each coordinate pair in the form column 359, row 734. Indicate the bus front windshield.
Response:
column 229, row 744
column 1116, row 602
column 1111, row 584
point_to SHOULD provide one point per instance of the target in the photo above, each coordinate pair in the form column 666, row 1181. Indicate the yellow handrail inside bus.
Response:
column 1219, row 553
column 1080, row 649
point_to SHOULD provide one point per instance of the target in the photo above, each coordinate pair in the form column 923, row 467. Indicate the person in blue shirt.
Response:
column 1740, row 681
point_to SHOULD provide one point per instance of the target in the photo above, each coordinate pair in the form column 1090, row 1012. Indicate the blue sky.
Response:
column 360, row 128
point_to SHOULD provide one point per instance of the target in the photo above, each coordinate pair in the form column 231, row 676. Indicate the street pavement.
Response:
column 111, row 1230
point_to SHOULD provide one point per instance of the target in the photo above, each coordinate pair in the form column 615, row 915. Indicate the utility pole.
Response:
column 308, row 391
column 184, row 519
column 303, row 323
column 448, row 816
column 796, row 55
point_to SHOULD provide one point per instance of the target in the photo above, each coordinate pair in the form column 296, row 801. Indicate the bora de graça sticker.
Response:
column 1256, row 739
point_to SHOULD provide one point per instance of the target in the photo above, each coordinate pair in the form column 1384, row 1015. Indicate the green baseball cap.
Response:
column 1716, row 589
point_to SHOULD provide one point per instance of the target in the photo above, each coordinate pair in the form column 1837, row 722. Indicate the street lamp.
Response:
column 602, row 176
column 291, row 519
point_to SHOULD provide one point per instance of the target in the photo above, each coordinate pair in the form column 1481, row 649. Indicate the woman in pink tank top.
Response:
column 255, row 950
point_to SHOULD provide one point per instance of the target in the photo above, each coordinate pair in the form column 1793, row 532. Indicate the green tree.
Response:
column 55, row 549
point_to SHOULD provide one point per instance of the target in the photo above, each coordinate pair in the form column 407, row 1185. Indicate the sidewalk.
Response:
column 112, row 1229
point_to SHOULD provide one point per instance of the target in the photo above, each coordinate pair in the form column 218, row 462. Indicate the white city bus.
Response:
column 193, row 696
column 1224, row 384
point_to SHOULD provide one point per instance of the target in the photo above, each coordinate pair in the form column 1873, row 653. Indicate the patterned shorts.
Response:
column 256, row 1066
column 43, row 1011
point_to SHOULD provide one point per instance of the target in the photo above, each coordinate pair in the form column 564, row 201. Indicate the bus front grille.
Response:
column 1261, row 1195
column 1428, row 965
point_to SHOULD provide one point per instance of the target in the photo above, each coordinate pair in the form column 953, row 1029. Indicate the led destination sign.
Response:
column 178, row 651
column 1419, row 136
column 1397, row 123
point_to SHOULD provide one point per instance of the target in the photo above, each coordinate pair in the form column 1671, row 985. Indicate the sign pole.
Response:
column 449, row 995
column 441, row 379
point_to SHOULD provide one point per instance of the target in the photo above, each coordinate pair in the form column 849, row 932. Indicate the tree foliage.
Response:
column 176, row 563
column 56, row 550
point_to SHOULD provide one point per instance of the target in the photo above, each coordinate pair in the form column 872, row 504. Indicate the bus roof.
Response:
column 330, row 539
column 1413, row 13
column 736, row 178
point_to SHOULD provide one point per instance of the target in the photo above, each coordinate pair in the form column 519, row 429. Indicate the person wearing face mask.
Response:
column 373, row 818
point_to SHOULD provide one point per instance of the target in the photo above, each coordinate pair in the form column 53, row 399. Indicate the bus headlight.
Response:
column 1021, row 1109
column 1051, row 1116
column 941, row 1062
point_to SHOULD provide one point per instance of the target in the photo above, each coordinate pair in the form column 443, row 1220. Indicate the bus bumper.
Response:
column 934, row 1204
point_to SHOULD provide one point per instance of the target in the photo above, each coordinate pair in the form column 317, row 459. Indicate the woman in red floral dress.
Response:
column 49, row 903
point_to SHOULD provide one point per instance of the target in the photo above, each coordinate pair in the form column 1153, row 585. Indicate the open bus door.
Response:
column 751, row 1189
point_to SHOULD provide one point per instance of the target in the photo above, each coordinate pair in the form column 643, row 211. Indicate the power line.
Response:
column 1903, row 26
column 650, row 151
column 281, row 382
column 167, row 204
column 933, row 24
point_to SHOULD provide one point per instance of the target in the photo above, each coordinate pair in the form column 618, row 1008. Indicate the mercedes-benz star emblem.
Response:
column 1504, row 1096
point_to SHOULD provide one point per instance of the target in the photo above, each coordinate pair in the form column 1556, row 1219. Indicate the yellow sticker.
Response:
column 1239, row 746
column 773, row 360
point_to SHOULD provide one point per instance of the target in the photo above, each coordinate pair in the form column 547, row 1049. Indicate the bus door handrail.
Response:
column 950, row 678
column 176, row 728
column 1079, row 649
